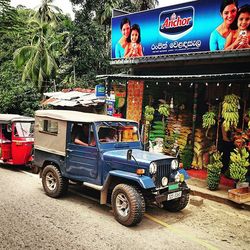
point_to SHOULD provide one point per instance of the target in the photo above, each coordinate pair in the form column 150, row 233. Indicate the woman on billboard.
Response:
column 228, row 10
column 121, row 44
column 240, row 38
column 133, row 47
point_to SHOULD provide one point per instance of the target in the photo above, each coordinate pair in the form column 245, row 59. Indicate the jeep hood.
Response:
column 141, row 156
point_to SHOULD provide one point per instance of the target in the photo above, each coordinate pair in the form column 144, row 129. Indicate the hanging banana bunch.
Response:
column 164, row 109
column 149, row 113
column 208, row 119
column 239, row 164
column 230, row 111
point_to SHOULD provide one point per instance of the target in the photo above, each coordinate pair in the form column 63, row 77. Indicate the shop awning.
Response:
column 209, row 77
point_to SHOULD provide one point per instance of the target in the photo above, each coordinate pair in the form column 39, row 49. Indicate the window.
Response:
column 49, row 126
column 117, row 133
column 24, row 129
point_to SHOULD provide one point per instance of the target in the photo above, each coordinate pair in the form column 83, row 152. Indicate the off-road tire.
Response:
column 54, row 184
column 135, row 202
column 177, row 204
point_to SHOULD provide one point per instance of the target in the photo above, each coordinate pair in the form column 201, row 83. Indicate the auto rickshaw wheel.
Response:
column 54, row 184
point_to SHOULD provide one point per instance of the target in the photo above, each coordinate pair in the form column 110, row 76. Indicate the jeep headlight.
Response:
column 152, row 168
column 174, row 164
column 164, row 181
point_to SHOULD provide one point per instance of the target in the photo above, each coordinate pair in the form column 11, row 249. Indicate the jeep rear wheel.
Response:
column 128, row 204
column 54, row 184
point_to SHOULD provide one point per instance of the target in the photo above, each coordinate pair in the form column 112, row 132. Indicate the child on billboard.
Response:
column 134, row 48
column 240, row 38
column 228, row 11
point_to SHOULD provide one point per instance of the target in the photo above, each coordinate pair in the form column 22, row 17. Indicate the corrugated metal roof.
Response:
column 73, row 98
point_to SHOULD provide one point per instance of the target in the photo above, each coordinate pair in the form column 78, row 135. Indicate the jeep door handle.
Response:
column 69, row 150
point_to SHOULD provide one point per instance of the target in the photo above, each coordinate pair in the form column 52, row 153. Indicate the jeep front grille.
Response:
column 163, row 169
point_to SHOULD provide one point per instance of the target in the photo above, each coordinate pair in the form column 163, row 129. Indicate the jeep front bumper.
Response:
column 171, row 195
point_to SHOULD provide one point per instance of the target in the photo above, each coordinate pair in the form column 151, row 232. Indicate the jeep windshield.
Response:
column 113, row 132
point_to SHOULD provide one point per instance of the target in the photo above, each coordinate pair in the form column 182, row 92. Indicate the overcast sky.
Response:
column 66, row 7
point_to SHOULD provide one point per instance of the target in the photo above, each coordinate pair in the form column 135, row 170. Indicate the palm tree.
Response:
column 47, row 12
column 146, row 4
column 106, row 12
column 37, row 59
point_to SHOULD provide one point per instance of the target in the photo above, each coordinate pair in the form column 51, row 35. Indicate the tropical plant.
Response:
column 47, row 12
column 230, row 111
column 38, row 60
column 146, row 4
column 239, row 164
column 214, row 171
column 8, row 17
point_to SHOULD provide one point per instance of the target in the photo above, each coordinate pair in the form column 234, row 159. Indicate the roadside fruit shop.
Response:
column 186, row 96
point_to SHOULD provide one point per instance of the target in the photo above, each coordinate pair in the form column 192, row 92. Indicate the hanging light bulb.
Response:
column 171, row 103
column 146, row 86
column 218, row 84
column 168, row 83
column 206, row 84
column 180, row 84
column 230, row 84
column 191, row 84
column 156, row 83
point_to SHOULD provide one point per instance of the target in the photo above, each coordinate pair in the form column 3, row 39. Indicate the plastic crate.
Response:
column 239, row 195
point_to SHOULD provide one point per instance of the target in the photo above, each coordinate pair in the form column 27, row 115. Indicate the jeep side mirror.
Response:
column 129, row 155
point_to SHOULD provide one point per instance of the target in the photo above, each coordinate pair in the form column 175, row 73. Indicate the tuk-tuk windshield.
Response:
column 24, row 129
column 117, row 132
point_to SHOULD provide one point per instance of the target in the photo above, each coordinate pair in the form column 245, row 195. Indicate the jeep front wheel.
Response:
column 54, row 184
column 128, row 204
column 177, row 204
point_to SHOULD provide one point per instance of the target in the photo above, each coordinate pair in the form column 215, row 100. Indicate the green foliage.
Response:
column 239, row 164
column 39, row 59
column 16, row 97
column 8, row 17
column 214, row 171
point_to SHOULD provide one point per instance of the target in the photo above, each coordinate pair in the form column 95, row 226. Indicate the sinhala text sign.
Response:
column 182, row 28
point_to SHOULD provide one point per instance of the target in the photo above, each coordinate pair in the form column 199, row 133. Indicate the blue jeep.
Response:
column 108, row 157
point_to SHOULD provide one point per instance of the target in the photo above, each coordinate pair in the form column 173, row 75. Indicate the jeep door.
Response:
column 81, row 160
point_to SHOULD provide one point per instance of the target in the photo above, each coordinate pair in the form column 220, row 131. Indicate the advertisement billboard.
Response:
column 189, row 27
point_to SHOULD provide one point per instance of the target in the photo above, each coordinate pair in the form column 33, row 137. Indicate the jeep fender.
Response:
column 145, row 182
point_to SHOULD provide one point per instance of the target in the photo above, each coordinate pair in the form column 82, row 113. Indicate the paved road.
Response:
column 31, row 220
